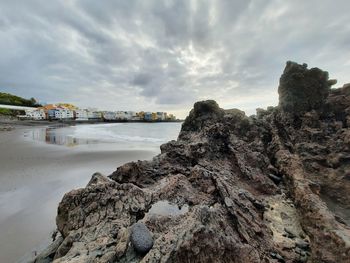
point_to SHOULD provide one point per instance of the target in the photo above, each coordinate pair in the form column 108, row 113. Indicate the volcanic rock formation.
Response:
column 273, row 187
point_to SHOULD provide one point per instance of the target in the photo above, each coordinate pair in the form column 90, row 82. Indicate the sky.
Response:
column 166, row 55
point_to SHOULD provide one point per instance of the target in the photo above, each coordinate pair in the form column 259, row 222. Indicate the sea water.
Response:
column 120, row 135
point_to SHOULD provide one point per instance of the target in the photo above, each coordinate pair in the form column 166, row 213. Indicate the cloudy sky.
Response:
column 165, row 55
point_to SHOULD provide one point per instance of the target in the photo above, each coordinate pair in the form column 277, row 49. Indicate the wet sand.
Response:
column 33, row 179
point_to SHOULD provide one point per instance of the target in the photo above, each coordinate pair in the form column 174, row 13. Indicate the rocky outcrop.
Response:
column 202, row 113
column 273, row 187
column 303, row 89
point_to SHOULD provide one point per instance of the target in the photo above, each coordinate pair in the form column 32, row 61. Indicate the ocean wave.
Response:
column 105, row 133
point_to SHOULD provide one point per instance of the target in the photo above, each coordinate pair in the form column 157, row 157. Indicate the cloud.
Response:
column 165, row 55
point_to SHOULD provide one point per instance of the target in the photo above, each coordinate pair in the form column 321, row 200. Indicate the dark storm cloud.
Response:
column 165, row 55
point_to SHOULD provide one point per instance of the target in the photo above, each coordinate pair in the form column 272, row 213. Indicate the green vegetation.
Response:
column 8, row 112
column 9, row 99
column 5, row 112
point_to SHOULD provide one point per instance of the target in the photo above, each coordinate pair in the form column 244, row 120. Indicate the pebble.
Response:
column 141, row 238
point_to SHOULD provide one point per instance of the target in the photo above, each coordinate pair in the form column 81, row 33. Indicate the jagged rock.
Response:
column 141, row 238
column 134, row 172
column 203, row 111
column 303, row 89
column 227, row 170
column 48, row 254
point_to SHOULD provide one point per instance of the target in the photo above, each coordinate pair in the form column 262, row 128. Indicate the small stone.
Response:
column 141, row 238
column 228, row 202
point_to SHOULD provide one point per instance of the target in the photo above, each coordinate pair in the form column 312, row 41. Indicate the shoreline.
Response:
column 60, row 123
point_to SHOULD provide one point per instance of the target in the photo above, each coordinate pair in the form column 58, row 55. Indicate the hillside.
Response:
column 9, row 99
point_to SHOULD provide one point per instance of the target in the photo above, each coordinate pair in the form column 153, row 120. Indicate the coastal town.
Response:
column 64, row 111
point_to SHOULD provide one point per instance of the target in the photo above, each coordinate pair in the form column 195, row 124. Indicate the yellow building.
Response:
column 154, row 116
column 171, row 117
column 141, row 115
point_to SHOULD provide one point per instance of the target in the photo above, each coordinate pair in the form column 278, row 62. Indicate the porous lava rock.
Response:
column 302, row 89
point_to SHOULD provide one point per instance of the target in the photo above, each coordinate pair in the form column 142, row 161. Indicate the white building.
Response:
column 64, row 114
column 94, row 114
column 120, row 115
column 161, row 116
column 35, row 114
column 81, row 115
column 132, row 115
column 126, row 115
column 135, row 117
column 109, row 115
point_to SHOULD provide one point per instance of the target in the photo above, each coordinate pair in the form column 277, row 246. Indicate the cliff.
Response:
column 267, row 188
